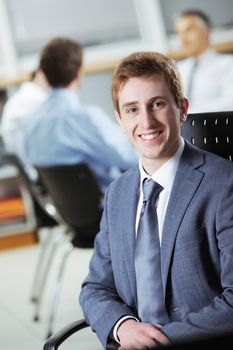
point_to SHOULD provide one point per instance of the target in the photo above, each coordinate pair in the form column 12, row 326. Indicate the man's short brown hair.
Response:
column 145, row 64
column 61, row 59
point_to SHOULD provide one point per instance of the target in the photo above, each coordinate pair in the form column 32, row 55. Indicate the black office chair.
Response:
column 38, row 196
column 44, row 212
column 44, row 217
column 78, row 201
column 212, row 132
column 57, row 339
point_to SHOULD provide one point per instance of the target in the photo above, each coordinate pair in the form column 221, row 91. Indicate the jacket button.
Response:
column 174, row 309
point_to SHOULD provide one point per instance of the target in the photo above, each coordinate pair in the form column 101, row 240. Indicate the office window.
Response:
column 94, row 23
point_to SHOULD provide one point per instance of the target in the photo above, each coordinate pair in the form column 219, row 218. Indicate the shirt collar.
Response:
column 204, row 57
column 166, row 173
column 71, row 96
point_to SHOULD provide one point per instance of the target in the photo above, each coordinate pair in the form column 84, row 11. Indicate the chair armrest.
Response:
column 58, row 338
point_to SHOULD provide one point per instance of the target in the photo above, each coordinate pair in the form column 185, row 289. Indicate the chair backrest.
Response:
column 36, row 190
column 212, row 131
column 74, row 192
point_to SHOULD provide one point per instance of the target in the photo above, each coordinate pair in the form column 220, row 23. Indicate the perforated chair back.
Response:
column 76, row 196
column 212, row 132
column 35, row 189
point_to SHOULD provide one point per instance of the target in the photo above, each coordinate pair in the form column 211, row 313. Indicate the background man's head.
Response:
column 147, row 64
column 61, row 61
column 193, row 27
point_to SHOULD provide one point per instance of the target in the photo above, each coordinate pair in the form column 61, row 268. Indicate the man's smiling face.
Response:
column 151, row 118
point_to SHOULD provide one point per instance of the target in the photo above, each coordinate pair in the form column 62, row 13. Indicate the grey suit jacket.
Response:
column 196, row 251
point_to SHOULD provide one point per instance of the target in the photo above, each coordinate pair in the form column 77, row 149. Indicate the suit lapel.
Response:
column 128, row 209
column 185, row 185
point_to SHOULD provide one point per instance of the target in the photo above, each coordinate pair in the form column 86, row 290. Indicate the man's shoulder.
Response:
column 220, row 60
column 123, row 181
column 219, row 162
column 184, row 62
column 184, row 65
column 207, row 159
column 217, row 165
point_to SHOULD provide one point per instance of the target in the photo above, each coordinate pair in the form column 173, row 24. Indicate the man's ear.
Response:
column 119, row 120
column 184, row 109
column 117, row 115
column 79, row 76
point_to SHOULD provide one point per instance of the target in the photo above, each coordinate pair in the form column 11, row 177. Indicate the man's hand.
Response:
column 138, row 335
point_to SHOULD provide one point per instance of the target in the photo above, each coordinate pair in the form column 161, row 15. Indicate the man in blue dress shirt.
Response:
column 64, row 131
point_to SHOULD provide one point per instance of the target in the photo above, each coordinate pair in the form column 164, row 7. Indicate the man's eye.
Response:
column 158, row 104
column 131, row 110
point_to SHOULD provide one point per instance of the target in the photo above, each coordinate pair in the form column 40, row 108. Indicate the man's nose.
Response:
column 147, row 119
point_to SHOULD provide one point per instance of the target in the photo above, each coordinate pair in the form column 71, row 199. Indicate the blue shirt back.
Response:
column 63, row 131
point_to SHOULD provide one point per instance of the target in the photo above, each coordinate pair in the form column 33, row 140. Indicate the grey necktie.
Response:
column 147, row 259
column 190, row 81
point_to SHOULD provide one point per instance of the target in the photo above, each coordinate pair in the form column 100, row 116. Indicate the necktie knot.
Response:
column 151, row 190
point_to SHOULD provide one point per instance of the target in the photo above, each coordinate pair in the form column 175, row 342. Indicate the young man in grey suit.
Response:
column 194, row 210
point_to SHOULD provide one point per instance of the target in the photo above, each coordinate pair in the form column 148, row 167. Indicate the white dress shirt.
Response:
column 16, row 111
column 212, row 86
column 164, row 176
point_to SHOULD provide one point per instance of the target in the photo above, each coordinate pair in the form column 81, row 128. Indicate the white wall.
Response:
column 117, row 27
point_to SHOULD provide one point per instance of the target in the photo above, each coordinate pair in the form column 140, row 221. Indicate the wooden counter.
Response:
column 224, row 47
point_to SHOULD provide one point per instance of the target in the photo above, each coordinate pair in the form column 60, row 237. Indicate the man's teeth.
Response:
column 150, row 136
